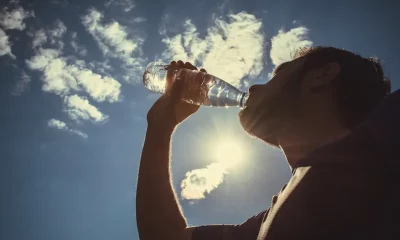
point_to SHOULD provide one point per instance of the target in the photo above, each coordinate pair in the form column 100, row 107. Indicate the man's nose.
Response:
column 254, row 87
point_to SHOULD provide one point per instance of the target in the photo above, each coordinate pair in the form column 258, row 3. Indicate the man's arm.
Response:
column 158, row 213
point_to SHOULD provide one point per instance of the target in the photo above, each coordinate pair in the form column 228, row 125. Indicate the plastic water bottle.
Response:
column 199, row 88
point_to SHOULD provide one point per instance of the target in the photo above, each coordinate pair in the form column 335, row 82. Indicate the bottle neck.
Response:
column 243, row 100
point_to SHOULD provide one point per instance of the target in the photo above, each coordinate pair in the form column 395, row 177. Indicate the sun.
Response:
column 228, row 152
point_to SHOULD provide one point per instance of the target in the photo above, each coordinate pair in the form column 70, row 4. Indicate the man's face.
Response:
column 273, row 106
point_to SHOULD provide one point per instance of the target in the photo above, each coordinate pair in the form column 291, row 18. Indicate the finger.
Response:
column 188, row 65
column 171, row 72
column 203, row 70
column 172, row 65
column 180, row 64
column 176, row 91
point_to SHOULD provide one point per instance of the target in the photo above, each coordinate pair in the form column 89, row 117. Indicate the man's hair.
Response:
column 361, row 83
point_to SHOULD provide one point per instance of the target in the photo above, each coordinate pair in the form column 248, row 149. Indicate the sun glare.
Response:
column 228, row 153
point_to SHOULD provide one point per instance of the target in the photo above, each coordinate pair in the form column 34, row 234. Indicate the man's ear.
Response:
column 325, row 75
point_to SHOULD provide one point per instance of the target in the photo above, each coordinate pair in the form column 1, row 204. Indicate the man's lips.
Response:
column 248, row 101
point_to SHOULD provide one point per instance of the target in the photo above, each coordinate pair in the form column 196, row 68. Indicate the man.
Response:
column 317, row 109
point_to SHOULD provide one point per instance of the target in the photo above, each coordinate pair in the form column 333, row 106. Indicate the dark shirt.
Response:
column 345, row 190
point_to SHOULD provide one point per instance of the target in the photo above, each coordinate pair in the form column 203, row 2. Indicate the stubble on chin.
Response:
column 244, row 121
column 252, row 122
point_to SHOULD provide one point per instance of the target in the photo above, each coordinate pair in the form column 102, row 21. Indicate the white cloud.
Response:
column 114, row 41
column 163, row 26
column 79, row 108
column 59, row 30
column 139, row 20
column 11, row 19
column 284, row 44
column 54, row 123
column 111, row 37
column 98, row 87
column 75, row 45
column 55, row 77
column 127, row 5
column 202, row 181
column 39, row 38
column 22, row 84
column 79, row 133
column 56, row 33
column 53, row 35
column 231, row 49
column 5, row 45
column 14, row 19
column 177, row 50
column 43, row 58
column 62, row 78
column 101, row 66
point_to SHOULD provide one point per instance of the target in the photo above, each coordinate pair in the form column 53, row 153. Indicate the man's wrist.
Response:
column 161, row 130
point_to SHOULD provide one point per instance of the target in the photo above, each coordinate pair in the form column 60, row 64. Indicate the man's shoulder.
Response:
column 322, row 201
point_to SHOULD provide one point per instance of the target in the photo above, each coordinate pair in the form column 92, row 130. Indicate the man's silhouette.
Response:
column 330, row 112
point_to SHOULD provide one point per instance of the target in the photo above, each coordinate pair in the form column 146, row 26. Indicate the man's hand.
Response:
column 170, row 110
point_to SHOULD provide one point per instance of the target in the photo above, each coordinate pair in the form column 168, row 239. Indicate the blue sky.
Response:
column 74, row 108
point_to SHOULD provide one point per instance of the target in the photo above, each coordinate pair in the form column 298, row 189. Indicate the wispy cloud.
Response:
column 98, row 87
column 79, row 108
column 53, row 35
column 112, row 38
column 54, row 123
column 199, row 182
column 79, row 133
column 231, row 50
column 76, row 46
column 11, row 18
column 56, row 34
column 127, row 5
column 22, row 84
column 163, row 26
column 58, row 30
column 60, row 125
column 139, row 20
column 62, row 78
column 39, row 38
column 115, row 41
column 5, row 45
column 14, row 18
column 56, row 79
column 285, row 43
column 68, row 76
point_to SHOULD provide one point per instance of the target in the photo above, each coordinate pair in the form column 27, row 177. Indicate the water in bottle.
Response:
column 199, row 88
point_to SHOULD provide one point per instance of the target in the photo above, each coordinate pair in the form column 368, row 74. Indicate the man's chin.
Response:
column 259, row 126
column 255, row 125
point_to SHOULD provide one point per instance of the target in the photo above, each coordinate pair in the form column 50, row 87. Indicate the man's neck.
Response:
column 297, row 147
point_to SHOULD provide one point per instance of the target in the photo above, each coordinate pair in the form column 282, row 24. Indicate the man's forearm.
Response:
column 158, row 212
